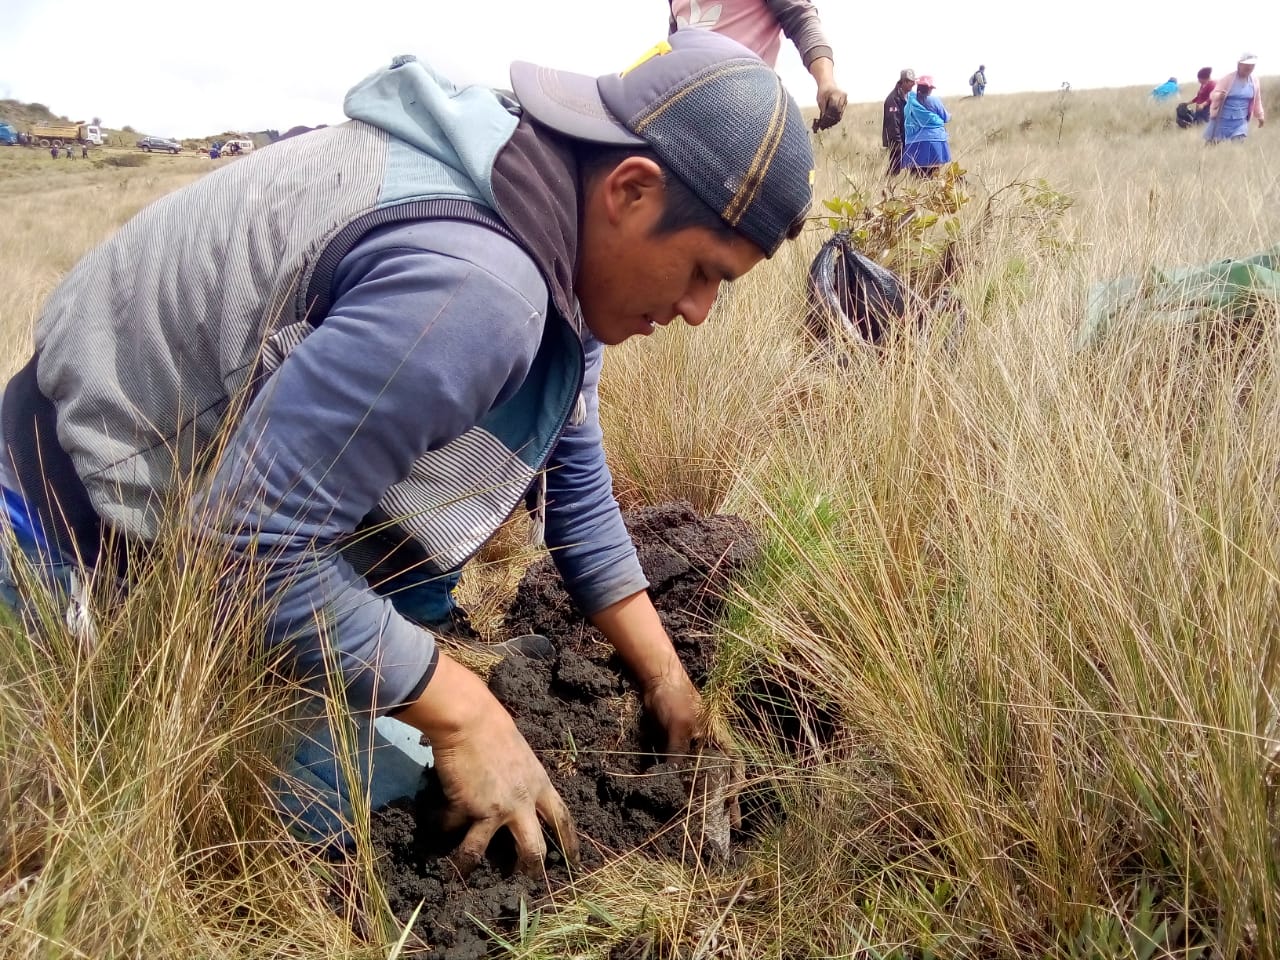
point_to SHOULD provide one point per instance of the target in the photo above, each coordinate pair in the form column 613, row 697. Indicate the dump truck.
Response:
column 57, row 133
column 8, row 135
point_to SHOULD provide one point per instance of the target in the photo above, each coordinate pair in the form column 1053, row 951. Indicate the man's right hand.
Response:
column 490, row 776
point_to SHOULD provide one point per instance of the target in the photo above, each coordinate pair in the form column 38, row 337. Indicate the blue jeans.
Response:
column 381, row 759
column 386, row 758
column 56, row 574
column 427, row 602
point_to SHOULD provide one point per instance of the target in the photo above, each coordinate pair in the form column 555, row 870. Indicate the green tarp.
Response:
column 1228, row 289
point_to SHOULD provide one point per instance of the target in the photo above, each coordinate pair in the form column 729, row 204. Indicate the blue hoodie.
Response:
column 924, row 119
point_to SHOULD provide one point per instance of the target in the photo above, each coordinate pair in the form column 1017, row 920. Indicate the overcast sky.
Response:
column 257, row 64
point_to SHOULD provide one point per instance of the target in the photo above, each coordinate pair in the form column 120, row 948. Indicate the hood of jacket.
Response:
column 495, row 154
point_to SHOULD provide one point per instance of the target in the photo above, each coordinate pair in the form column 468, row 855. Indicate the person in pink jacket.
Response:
column 758, row 25
column 1236, row 99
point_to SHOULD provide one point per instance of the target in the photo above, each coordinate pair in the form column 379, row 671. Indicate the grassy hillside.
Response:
column 1033, row 591
column 24, row 116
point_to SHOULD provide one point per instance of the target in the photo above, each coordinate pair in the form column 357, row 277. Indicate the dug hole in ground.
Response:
column 582, row 720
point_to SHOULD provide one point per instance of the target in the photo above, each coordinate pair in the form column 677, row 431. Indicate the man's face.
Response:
column 631, row 280
column 905, row 85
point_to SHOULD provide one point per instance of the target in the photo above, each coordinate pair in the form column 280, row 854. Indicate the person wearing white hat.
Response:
column 1236, row 99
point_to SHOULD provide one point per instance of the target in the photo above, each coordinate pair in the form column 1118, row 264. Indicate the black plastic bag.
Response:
column 854, row 299
column 852, row 293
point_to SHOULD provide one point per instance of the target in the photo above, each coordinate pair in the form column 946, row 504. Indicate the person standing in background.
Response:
column 925, row 127
column 978, row 82
column 759, row 25
column 892, row 130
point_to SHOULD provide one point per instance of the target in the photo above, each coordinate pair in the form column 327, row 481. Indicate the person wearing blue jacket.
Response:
column 390, row 332
column 925, row 127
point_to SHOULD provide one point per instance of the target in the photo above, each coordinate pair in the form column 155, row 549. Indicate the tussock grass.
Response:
column 1005, row 680
column 135, row 803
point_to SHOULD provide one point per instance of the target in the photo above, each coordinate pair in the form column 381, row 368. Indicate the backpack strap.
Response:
column 315, row 293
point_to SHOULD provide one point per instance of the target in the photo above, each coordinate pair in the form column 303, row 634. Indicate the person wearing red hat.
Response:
column 1196, row 110
column 924, row 123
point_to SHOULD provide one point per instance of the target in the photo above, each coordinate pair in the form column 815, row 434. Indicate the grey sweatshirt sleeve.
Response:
column 423, row 339
column 589, row 544
column 799, row 21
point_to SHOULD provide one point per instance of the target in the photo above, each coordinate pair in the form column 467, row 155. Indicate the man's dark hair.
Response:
column 683, row 208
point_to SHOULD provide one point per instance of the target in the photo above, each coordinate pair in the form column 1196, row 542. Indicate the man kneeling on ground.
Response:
column 398, row 323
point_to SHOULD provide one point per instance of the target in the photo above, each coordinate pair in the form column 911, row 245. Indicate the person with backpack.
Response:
column 352, row 356
column 978, row 81
column 759, row 26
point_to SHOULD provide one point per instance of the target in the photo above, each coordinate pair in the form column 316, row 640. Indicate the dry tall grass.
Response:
column 1025, row 600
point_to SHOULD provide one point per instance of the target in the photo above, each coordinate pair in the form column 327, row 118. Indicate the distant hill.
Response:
column 24, row 116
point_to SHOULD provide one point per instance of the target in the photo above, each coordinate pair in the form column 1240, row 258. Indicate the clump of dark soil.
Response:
column 582, row 719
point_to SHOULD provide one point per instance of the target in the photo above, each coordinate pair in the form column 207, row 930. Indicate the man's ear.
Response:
column 631, row 187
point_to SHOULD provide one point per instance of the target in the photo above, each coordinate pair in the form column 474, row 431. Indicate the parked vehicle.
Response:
column 236, row 146
column 58, row 133
column 8, row 135
column 159, row 143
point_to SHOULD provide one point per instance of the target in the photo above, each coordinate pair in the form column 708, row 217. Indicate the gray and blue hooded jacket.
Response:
column 366, row 341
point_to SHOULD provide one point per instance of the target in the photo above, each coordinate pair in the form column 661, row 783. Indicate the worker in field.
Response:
column 759, row 25
column 393, row 376
column 978, row 80
column 1235, row 100
column 892, row 127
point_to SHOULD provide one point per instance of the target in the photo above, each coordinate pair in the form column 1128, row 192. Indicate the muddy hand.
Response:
column 673, row 703
column 831, row 104
column 491, row 778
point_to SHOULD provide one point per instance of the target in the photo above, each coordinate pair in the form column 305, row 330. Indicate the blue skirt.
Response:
column 926, row 153
column 1228, row 128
